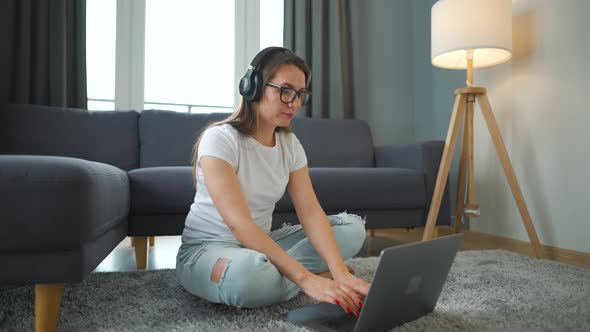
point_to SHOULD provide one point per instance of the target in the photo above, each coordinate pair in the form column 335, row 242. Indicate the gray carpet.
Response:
column 485, row 291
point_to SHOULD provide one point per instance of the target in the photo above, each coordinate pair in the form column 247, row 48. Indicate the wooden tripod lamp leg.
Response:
column 471, row 208
column 445, row 165
column 461, row 180
column 486, row 110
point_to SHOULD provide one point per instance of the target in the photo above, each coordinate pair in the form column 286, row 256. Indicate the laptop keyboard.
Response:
column 342, row 323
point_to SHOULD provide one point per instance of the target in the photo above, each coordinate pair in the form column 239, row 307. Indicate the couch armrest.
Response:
column 58, row 203
column 424, row 157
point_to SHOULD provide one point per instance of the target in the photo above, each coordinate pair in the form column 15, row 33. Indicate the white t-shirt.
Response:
column 262, row 171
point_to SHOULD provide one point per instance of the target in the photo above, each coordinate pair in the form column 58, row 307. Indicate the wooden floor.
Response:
column 163, row 254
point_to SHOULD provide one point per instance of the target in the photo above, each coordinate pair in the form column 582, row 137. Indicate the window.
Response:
column 100, row 53
column 272, row 18
column 178, row 55
column 189, row 52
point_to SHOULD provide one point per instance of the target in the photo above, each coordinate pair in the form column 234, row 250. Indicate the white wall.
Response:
column 541, row 102
column 541, row 99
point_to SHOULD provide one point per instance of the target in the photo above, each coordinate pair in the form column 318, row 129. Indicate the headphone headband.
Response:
column 258, row 59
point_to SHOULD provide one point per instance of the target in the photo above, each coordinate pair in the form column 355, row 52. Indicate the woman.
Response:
column 242, row 166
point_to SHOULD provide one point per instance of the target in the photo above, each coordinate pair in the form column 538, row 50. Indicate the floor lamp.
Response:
column 469, row 34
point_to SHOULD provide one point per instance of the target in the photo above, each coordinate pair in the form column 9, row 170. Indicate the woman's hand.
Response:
column 348, row 292
column 349, row 282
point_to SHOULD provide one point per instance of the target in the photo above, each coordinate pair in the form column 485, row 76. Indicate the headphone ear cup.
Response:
column 256, row 87
column 245, row 85
column 251, row 83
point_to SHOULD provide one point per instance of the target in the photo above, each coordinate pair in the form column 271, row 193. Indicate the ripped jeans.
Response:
column 250, row 280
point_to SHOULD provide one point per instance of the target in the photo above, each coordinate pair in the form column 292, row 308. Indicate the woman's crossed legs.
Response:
column 224, row 272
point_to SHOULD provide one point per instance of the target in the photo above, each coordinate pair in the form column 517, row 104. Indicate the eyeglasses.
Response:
column 288, row 94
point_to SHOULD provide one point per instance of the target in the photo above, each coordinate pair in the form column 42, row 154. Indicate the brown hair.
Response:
column 246, row 119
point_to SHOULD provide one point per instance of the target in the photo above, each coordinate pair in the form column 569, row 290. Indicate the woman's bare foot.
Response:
column 327, row 274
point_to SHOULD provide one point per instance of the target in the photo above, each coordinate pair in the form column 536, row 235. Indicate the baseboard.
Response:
column 483, row 241
column 524, row 247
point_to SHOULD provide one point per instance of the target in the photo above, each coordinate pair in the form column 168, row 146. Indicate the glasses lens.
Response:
column 288, row 95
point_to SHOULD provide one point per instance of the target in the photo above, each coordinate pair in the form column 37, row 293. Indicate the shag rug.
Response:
column 485, row 291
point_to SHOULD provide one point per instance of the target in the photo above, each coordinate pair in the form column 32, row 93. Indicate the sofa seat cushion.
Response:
column 364, row 188
column 170, row 190
column 54, row 203
column 161, row 190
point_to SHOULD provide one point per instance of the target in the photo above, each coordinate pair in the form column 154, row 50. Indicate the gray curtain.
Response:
column 43, row 58
column 320, row 32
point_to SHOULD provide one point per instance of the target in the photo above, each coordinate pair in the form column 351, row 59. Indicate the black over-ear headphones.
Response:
column 251, row 83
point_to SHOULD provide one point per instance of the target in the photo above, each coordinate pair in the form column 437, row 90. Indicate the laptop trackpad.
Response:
column 341, row 323
column 322, row 315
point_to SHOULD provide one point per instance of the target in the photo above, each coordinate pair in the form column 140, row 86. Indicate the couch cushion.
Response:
column 106, row 137
column 340, row 189
column 58, row 203
column 161, row 190
column 335, row 143
column 167, row 138
column 170, row 190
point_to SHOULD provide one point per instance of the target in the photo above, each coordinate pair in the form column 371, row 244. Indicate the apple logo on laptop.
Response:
column 414, row 284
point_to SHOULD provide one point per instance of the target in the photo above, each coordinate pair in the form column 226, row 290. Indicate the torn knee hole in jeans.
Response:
column 218, row 271
column 344, row 215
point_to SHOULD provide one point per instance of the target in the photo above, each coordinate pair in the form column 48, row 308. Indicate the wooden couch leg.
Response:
column 47, row 306
column 140, row 251
column 151, row 238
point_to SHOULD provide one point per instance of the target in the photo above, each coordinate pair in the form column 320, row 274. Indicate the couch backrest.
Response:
column 129, row 140
column 167, row 139
column 335, row 143
column 107, row 137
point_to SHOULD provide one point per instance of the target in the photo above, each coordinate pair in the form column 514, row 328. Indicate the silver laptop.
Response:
column 406, row 286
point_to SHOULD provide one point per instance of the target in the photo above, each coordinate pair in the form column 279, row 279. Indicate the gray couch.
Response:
column 74, row 183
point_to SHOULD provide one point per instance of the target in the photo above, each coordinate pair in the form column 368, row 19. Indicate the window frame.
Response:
column 130, row 51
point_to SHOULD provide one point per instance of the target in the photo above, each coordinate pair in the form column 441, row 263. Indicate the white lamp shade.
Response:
column 484, row 26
